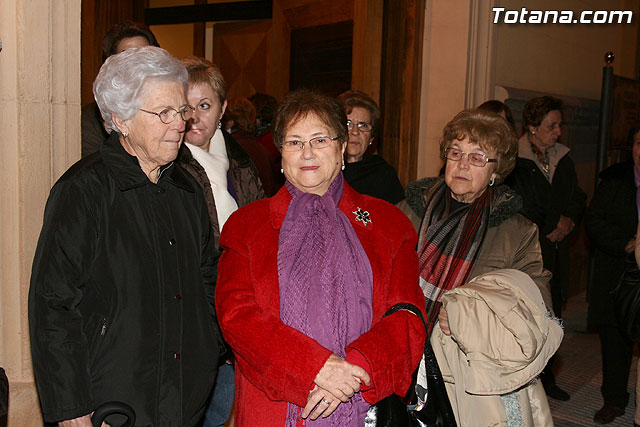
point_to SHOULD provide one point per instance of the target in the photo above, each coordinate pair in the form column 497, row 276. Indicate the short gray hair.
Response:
column 122, row 77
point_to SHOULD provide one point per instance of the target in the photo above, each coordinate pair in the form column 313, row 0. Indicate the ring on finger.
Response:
column 326, row 401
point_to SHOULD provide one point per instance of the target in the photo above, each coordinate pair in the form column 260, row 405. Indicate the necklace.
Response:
column 543, row 157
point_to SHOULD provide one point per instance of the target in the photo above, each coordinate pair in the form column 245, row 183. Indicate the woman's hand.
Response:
column 84, row 421
column 555, row 236
column 565, row 225
column 444, row 321
column 323, row 402
column 563, row 228
column 341, row 378
column 631, row 246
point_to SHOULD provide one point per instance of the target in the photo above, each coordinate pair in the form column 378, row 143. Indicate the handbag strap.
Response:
column 407, row 306
column 434, row 375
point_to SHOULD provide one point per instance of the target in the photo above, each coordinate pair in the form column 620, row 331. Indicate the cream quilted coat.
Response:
column 501, row 339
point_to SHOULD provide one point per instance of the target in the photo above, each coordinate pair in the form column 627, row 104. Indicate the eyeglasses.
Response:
column 168, row 115
column 475, row 159
column 319, row 142
column 362, row 126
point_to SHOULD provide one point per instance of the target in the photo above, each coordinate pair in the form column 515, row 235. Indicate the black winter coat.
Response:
column 611, row 222
column 544, row 202
column 118, row 305
column 373, row 176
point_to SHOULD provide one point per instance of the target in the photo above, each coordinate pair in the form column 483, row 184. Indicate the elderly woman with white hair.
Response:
column 120, row 305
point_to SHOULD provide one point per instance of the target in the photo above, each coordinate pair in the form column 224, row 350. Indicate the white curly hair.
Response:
column 119, row 86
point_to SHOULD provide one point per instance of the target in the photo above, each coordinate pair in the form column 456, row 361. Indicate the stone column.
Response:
column 40, row 122
column 445, row 72
column 481, row 54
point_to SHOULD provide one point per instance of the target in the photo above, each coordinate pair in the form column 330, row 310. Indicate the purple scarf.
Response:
column 326, row 284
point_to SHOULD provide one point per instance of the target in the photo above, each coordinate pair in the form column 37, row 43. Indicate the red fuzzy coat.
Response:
column 275, row 363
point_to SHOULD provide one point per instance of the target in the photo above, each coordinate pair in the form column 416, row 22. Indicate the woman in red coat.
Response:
column 305, row 280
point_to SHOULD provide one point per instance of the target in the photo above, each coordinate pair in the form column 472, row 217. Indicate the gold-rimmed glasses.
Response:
column 169, row 114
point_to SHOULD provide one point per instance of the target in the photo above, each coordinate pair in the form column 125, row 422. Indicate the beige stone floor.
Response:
column 578, row 371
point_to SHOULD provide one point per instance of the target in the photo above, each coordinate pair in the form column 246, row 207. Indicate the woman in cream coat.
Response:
column 469, row 223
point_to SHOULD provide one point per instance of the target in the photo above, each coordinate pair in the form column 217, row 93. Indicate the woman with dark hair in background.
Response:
column 126, row 35
column 611, row 222
column 120, row 37
column 545, row 177
column 371, row 174
column 499, row 108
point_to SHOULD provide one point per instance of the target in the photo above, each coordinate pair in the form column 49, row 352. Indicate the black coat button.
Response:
column 172, row 242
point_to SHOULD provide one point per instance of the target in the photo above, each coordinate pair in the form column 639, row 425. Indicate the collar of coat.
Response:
column 128, row 174
column 349, row 202
column 235, row 152
column 505, row 204
column 557, row 152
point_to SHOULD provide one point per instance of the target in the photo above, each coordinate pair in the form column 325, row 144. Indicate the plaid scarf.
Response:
column 448, row 243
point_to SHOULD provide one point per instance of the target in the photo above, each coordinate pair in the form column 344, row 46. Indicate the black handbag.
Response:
column 392, row 411
column 114, row 408
column 626, row 297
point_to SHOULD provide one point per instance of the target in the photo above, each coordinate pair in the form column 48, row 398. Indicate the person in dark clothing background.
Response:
column 120, row 37
column 546, row 179
column 370, row 175
column 266, row 106
column 239, row 121
column 611, row 222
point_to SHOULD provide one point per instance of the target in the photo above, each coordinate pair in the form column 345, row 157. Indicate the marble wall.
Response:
column 40, row 122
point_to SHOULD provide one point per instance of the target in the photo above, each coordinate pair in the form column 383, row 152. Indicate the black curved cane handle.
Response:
column 111, row 408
